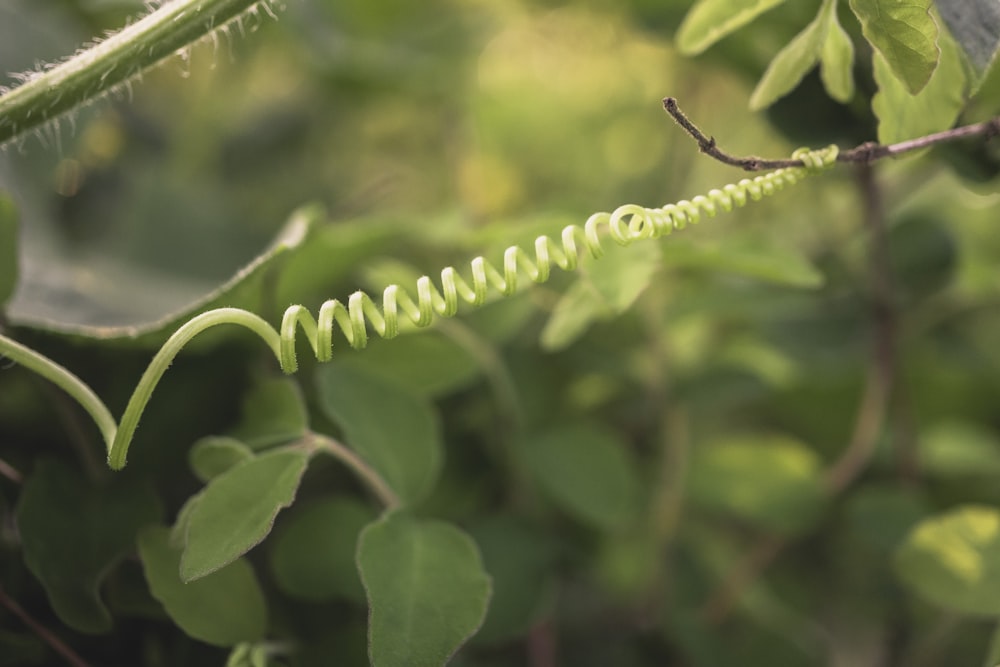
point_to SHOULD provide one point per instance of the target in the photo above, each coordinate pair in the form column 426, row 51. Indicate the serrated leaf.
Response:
column 953, row 560
column 395, row 430
column 905, row 34
column 587, row 471
column 975, row 25
column 274, row 412
column 774, row 482
column 836, row 60
column 312, row 553
column 73, row 534
column 708, row 21
column 225, row 608
column 213, row 455
column 903, row 116
column 791, row 64
column 9, row 264
column 427, row 590
column 237, row 510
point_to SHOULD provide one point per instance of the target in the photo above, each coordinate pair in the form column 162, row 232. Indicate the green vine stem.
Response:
column 624, row 225
column 115, row 61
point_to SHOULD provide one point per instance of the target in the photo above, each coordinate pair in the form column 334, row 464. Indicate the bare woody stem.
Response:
column 866, row 153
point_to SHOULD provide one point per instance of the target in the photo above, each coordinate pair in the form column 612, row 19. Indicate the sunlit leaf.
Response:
column 213, row 455
column 237, row 510
column 588, row 471
column 711, row 20
column 905, row 35
column 953, row 560
column 792, row 63
column 274, row 411
column 836, row 60
column 312, row 553
column 401, row 439
column 771, row 481
column 427, row 590
column 9, row 264
column 225, row 608
column 902, row 115
column 72, row 535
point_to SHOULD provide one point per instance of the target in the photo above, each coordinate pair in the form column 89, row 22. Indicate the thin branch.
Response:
column 865, row 153
column 43, row 633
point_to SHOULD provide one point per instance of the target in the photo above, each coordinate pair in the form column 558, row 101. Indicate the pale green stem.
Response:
column 118, row 450
column 65, row 380
column 352, row 460
column 116, row 60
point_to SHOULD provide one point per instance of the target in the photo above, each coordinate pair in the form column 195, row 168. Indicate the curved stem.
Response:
column 352, row 460
column 118, row 450
column 115, row 61
column 66, row 381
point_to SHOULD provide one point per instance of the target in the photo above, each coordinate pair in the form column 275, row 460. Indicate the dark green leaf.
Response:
column 392, row 428
column 903, row 115
column 905, row 35
column 274, row 412
column 225, row 608
column 711, row 20
column 213, row 455
column 771, row 481
column 953, row 560
column 312, row 553
column 588, row 471
column 237, row 510
column 427, row 590
column 8, row 248
column 73, row 534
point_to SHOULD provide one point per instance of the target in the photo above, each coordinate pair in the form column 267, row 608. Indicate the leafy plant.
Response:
column 608, row 485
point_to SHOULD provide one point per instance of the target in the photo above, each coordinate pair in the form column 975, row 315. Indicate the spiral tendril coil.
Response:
column 625, row 225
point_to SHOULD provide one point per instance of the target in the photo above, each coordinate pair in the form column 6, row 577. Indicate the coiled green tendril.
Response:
column 625, row 225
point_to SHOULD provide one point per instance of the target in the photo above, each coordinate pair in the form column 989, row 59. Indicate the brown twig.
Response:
column 43, row 633
column 865, row 153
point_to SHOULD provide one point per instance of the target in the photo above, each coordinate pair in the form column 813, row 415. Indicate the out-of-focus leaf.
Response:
column 213, row 455
column 427, row 590
column 905, row 35
column 836, row 60
column 312, row 552
column 959, row 449
column 771, row 481
column 923, row 253
column 225, row 608
column 903, row 115
column 8, row 248
column 274, row 411
column 401, row 439
column 237, row 510
column 588, row 471
column 73, row 534
column 975, row 25
column 881, row 516
column 750, row 258
column 109, row 315
column 953, row 560
column 792, row 62
column 520, row 559
column 711, row 20
column 573, row 314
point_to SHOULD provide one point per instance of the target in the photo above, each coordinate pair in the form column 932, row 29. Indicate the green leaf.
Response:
column 711, row 20
column 427, row 590
column 73, row 534
column 588, row 471
column 903, row 116
column 392, row 428
column 573, row 314
column 213, row 455
column 774, row 482
column 975, row 25
column 312, row 554
column 959, row 449
column 836, row 60
column 904, row 33
column 953, row 560
column 225, row 608
column 791, row 64
column 274, row 412
column 237, row 510
column 8, row 248
column 748, row 257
